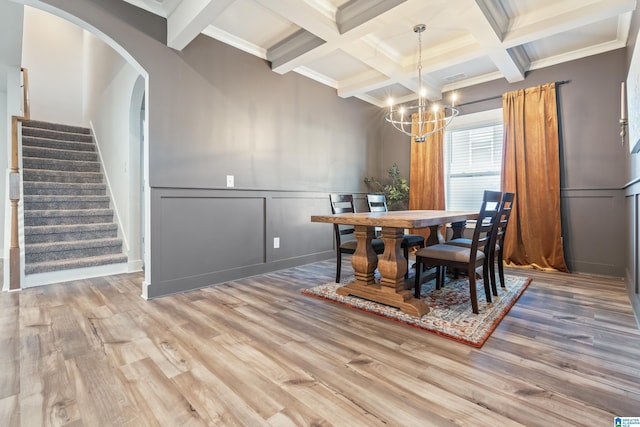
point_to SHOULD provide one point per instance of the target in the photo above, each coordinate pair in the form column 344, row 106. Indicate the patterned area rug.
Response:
column 450, row 314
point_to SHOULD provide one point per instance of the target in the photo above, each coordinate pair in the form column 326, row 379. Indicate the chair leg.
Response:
column 501, row 269
column 492, row 270
column 416, row 289
column 485, row 281
column 438, row 269
column 338, row 267
column 472, row 289
column 405, row 251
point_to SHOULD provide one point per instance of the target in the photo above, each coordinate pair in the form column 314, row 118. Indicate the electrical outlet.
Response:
column 229, row 180
column 276, row 242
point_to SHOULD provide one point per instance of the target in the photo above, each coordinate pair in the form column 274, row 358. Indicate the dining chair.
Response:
column 497, row 244
column 445, row 255
column 343, row 203
column 496, row 241
column 378, row 203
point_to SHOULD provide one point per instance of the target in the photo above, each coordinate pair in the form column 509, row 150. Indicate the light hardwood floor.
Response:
column 256, row 352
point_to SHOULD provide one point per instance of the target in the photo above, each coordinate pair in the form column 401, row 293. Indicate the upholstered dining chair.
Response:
column 378, row 203
column 445, row 255
column 496, row 242
column 343, row 203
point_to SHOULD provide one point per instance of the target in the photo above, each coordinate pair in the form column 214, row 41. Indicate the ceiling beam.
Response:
column 293, row 47
column 190, row 18
column 356, row 13
column 486, row 26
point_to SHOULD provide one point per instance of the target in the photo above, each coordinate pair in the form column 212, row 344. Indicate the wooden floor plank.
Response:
column 257, row 352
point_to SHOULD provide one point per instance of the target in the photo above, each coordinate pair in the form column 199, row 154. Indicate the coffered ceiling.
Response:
column 367, row 48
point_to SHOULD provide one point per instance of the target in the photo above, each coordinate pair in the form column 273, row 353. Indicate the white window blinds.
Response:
column 473, row 160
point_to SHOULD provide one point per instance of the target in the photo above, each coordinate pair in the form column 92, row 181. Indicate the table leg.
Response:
column 364, row 260
column 458, row 229
column 435, row 236
column 392, row 266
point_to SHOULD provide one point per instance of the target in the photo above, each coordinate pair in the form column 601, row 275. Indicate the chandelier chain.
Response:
column 420, row 94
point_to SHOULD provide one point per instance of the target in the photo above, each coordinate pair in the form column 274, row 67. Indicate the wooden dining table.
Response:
column 391, row 264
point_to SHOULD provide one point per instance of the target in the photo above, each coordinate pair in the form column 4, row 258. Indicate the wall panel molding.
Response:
column 592, row 232
column 205, row 237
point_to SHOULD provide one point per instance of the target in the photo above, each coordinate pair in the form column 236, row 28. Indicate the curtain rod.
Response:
column 491, row 98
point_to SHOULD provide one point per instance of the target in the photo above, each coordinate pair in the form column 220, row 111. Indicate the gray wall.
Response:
column 237, row 117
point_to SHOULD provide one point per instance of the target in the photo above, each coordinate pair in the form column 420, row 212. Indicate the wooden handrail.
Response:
column 14, row 184
column 26, row 104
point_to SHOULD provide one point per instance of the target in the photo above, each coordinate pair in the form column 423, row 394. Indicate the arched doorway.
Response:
column 133, row 123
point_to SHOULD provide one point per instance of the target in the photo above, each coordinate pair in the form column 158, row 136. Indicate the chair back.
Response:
column 377, row 202
column 503, row 218
column 342, row 203
column 487, row 217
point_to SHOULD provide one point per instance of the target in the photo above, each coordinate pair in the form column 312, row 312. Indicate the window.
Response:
column 473, row 159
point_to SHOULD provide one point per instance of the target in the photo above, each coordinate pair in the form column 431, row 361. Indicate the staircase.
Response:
column 68, row 222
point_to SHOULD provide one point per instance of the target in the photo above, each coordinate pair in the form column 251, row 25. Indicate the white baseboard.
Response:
column 41, row 279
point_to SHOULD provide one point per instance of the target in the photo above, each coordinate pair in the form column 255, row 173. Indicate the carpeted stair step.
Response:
column 45, row 267
column 54, row 251
column 61, row 154
column 66, row 217
column 67, row 233
column 84, row 136
column 61, row 176
column 64, row 188
column 52, row 134
column 60, row 165
column 57, row 126
column 66, row 202
column 34, row 142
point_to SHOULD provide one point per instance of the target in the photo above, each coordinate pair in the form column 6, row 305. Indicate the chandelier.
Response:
column 415, row 120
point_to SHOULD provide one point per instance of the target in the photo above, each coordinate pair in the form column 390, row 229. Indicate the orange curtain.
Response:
column 426, row 177
column 531, row 169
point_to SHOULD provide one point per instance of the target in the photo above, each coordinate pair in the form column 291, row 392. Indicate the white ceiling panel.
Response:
column 252, row 22
column 571, row 41
column 339, row 66
column 468, row 70
column 394, row 91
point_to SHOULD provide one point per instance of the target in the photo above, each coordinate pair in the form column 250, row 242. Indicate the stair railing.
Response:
column 14, row 184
